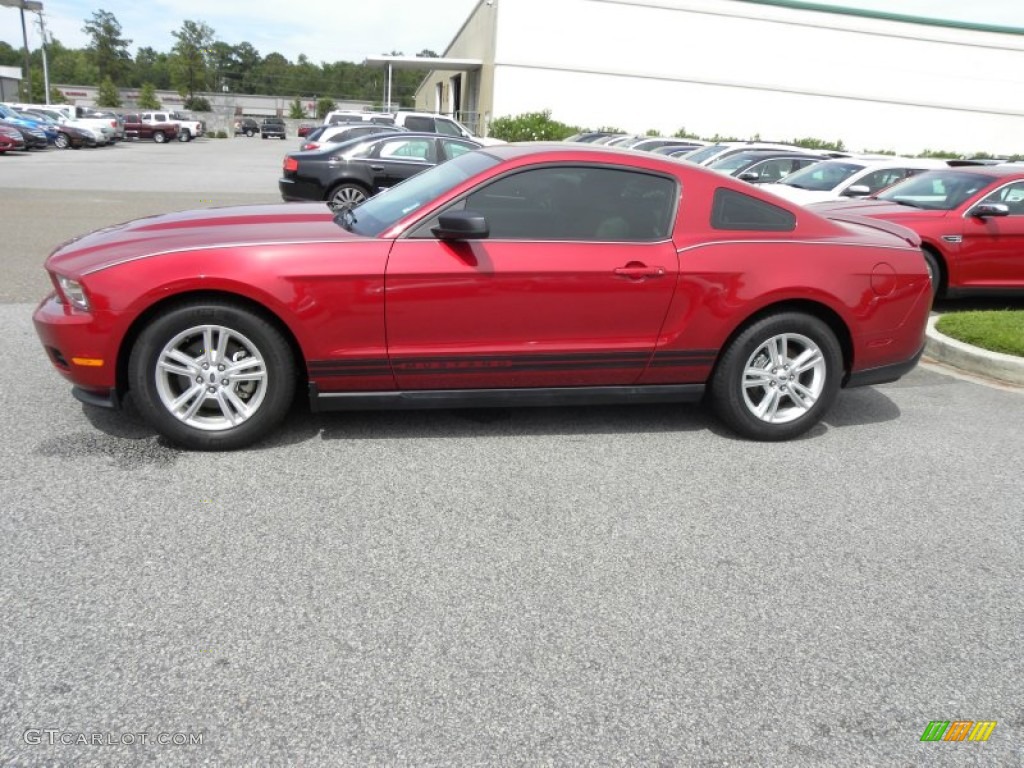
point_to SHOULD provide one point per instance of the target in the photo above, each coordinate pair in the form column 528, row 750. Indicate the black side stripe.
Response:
column 475, row 364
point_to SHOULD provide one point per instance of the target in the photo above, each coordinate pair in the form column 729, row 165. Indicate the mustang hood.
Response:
column 199, row 229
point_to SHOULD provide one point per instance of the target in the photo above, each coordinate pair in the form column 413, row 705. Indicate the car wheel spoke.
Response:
column 215, row 366
column 783, row 378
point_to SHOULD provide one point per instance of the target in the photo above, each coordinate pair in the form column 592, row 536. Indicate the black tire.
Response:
column 159, row 137
column 249, row 132
column 934, row 266
column 263, row 135
column 62, row 141
column 783, row 402
column 214, row 417
column 185, row 135
column 346, row 195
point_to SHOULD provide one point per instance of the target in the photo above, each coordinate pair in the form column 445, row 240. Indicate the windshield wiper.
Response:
column 906, row 203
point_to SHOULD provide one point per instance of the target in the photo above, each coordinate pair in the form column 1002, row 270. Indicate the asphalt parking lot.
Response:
column 573, row 586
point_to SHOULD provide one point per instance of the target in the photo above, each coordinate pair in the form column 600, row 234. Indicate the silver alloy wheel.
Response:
column 347, row 196
column 211, row 378
column 783, row 378
column 61, row 142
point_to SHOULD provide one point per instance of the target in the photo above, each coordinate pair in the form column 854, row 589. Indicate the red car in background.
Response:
column 524, row 274
column 11, row 139
column 971, row 223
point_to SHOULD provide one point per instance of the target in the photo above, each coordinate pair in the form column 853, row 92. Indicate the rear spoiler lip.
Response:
column 908, row 235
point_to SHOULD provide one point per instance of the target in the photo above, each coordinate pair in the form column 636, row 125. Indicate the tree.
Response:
column 189, row 57
column 295, row 111
column 108, row 95
column 151, row 67
column 147, row 97
column 107, row 48
column 198, row 104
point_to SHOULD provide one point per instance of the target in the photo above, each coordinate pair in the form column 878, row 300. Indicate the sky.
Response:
column 351, row 30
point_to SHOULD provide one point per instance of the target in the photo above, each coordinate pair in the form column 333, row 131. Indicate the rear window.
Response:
column 424, row 124
column 737, row 211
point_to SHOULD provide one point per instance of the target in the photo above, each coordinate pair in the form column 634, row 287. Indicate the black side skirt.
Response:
column 492, row 398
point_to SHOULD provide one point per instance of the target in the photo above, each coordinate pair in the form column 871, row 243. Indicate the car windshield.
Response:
column 822, row 177
column 936, row 190
column 384, row 210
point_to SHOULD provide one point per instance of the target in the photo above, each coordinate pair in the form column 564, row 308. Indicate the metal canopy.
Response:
column 425, row 63
column 428, row 63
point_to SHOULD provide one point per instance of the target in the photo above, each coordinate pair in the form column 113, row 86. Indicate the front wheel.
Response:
column 185, row 135
column 931, row 262
column 778, row 377
column 212, row 376
column 62, row 141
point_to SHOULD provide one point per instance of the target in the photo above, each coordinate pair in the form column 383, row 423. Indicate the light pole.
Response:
column 25, row 5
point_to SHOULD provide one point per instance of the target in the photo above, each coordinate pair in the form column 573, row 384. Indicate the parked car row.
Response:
column 65, row 126
column 970, row 220
column 268, row 128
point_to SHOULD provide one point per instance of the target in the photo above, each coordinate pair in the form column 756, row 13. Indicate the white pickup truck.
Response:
column 188, row 128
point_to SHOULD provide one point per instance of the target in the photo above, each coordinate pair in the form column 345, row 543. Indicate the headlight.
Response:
column 73, row 292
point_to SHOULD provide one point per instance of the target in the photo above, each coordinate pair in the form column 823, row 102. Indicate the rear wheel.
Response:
column 346, row 196
column 212, row 376
column 249, row 132
column 62, row 141
column 778, row 377
column 159, row 137
column 185, row 135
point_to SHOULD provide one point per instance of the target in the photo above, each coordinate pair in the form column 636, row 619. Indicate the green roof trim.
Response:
column 801, row 5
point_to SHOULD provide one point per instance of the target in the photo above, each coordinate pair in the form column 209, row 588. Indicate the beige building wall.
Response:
column 781, row 70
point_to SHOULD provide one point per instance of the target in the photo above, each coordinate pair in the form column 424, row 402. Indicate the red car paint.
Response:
column 396, row 311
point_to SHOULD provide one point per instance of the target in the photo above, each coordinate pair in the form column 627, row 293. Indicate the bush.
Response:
column 197, row 104
column 221, row 134
column 531, row 126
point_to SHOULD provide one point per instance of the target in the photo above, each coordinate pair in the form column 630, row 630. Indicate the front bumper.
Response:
column 79, row 344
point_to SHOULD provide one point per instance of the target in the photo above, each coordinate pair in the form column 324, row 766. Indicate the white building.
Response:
column 780, row 69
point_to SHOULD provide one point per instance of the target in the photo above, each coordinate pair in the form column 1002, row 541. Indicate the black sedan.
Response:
column 346, row 174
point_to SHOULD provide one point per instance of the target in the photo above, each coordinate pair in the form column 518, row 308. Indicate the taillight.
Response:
column 291, row 164
column 310, row 145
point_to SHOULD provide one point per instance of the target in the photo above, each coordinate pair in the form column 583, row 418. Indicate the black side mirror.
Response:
column 750, row 176
column 461, row 225
column 983, row 210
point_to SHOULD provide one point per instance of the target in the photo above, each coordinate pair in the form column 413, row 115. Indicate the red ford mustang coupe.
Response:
column 511, row 275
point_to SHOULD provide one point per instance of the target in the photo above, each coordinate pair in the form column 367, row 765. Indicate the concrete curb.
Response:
column 994, row 365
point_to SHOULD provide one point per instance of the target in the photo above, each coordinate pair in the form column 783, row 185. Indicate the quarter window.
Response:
column 735, row 210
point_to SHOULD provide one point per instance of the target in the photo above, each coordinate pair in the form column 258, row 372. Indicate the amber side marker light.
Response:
column 88, row 362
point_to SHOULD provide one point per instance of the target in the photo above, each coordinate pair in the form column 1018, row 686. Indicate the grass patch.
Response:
column 995, row 330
